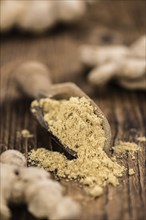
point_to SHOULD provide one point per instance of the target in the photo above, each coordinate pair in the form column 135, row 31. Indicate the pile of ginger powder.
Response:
column 77, row 126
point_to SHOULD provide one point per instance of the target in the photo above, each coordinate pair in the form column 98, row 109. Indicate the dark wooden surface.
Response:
column 125, row 110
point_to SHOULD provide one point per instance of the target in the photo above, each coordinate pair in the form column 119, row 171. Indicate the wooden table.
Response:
column 124, row 109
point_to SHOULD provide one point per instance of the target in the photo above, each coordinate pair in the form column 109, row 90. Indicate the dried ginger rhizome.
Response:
column 77, row 126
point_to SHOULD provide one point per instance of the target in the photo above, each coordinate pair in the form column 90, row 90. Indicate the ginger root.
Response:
column 34, row 187
column 13, row 157
column 37, row 16
column 124, row 64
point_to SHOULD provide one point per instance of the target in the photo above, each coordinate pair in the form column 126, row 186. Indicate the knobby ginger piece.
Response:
column 98, row 55
column 8, row 177
column 74, row 122
column 37, row 16
column 13, row 157
column 33, row 186
column 125, row 65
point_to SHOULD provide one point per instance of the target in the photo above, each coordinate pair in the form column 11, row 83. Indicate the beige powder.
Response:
column 131, row 172
column 74, row 122
column 141, row 139
column 123, row 147
column 24, row 133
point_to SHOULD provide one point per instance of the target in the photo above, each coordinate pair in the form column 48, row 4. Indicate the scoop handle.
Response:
column 33, row 78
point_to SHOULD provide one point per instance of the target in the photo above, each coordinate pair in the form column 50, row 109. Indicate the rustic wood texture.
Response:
column 124, row 109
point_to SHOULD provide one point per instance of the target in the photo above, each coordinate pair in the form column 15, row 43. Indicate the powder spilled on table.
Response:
column 126, row 147
column 74, row 122
column 141, row 139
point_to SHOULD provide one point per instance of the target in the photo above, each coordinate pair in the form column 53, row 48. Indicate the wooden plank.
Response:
column 125, row 110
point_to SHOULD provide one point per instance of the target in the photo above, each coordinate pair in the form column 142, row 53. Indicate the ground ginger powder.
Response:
column 141, row 139
column 126, row 147
column 131, row 172
column 74, row 122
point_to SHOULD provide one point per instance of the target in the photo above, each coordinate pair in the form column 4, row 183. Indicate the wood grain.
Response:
column 125, row 110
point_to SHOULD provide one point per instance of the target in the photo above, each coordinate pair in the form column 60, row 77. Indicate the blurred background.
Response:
column 34, row 30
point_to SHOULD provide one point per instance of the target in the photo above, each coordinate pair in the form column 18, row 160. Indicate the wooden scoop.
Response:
column 34, row 80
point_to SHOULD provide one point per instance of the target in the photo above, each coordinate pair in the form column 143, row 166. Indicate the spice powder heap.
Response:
column 126, row 147
column 74, row 122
